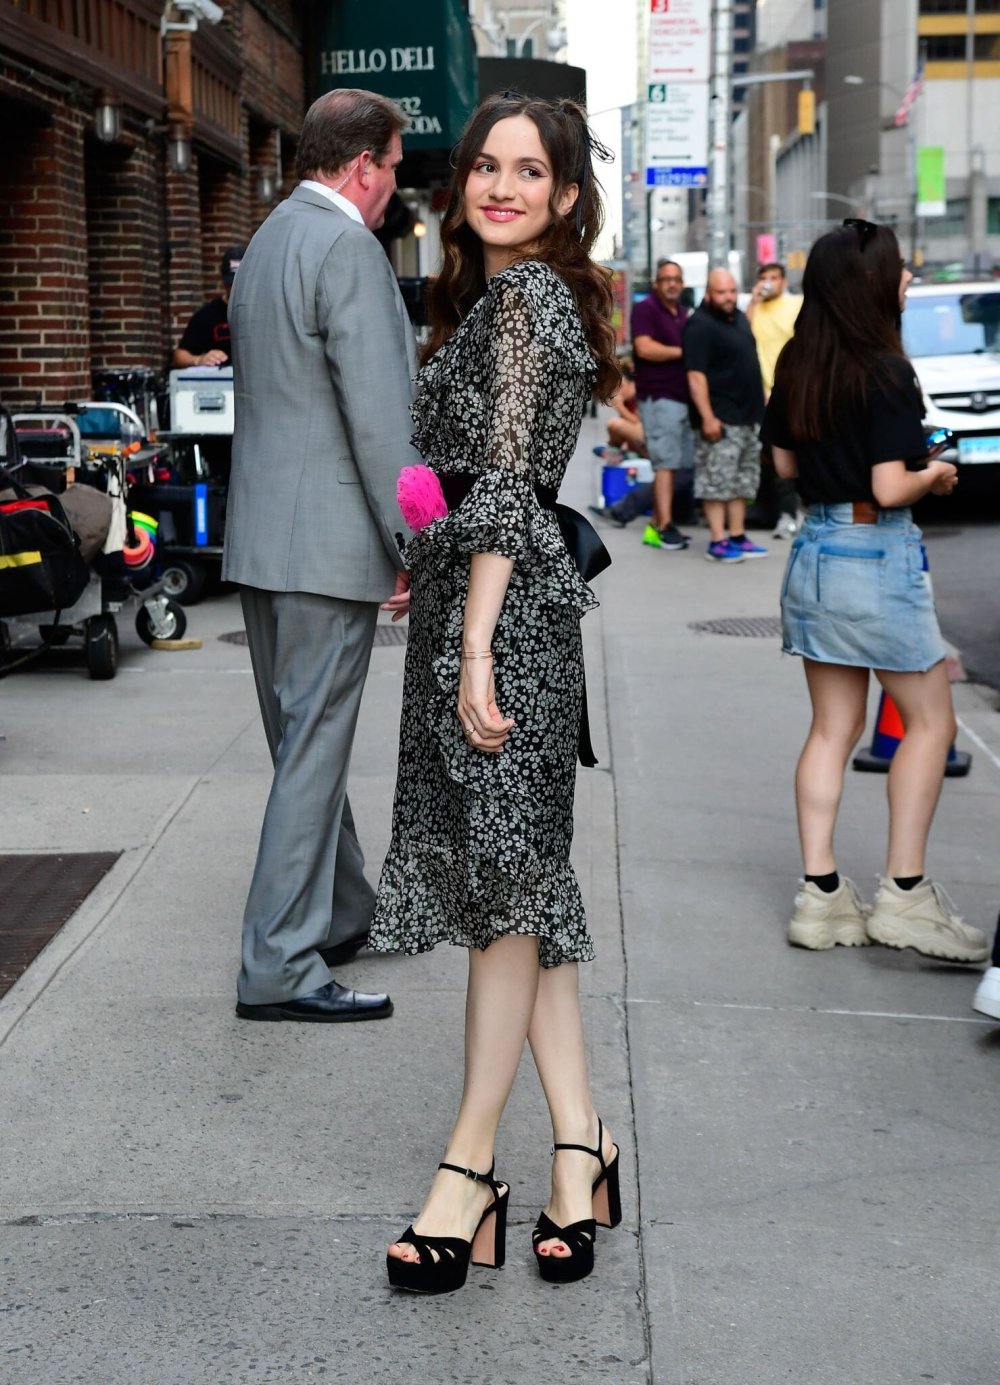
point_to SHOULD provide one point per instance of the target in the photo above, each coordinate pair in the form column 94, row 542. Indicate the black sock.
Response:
column 906, row 882
column 738, row 538
column 827, row 883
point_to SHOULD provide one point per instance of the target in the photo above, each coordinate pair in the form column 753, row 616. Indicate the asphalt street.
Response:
column 964, row 553
column 809, row 1139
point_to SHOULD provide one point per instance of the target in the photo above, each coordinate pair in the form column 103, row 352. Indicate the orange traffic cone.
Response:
column 888, row 733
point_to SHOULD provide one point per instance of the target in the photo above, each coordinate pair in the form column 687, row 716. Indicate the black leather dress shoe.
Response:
column 341, row 953
column 331, row 1004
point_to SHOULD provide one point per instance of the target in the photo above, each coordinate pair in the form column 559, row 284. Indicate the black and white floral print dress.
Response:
column 480, row 843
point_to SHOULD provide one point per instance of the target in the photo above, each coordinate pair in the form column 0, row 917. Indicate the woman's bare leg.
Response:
column 503, row 982
column 917, row 770
column 839, row 697
column 557, row 1046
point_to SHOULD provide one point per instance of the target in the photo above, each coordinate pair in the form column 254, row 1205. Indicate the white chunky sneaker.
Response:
column 925, row 919
column 987, row 997
column 823, row 920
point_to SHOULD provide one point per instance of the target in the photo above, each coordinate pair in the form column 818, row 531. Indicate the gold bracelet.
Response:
column 483, row 654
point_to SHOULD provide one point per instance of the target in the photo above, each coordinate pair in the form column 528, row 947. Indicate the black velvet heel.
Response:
column 607, row 1209
column 447, row 1272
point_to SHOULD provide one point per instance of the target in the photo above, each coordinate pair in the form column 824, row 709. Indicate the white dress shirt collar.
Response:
column 342, row 202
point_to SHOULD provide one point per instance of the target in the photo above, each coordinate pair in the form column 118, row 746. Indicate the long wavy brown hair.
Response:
column 847, row 334
column 564, row 246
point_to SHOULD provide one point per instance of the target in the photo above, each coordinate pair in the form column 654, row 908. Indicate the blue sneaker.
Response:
column 723, row 552
column 747, row 547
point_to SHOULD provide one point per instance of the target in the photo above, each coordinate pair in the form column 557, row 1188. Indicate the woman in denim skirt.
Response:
column 844, row 420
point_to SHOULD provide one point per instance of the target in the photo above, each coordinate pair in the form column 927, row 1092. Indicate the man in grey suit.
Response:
column 323, row 360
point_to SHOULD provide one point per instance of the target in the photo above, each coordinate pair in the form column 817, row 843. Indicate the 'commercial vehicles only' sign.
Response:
column 677, row 93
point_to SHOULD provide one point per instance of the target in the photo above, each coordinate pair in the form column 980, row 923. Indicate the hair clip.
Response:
column 866, row 230
column 597, row 149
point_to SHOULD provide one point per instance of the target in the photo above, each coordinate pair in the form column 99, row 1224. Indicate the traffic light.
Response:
column 807, row 112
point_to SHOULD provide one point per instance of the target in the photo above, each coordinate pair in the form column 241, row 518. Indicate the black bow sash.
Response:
column 585, row 548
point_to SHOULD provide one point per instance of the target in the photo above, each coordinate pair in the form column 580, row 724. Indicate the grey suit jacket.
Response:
column 323, row 364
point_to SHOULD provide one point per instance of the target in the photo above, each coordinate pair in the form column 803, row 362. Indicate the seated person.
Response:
column 206, row 337
column 625, row 432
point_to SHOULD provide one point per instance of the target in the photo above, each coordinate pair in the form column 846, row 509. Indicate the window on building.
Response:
column 945, row 48
column 958, row 7
column 953, row 221
column 993, row 216
column 986, row 47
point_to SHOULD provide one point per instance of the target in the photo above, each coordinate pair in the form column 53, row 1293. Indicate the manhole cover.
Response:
column 384, row 634
column 37, row 895
column 750, row 627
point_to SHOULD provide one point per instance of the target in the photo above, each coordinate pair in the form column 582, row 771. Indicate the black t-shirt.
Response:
column 723, row 349
column 838, row 468
column 208, row 330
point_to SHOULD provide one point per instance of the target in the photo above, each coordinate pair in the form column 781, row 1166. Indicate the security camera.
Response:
column 207, row 10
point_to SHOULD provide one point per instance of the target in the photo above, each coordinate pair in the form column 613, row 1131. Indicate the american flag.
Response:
column 910, row 95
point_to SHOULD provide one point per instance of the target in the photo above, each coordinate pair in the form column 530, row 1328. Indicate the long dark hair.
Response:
column 564, row 246
column 847, row 334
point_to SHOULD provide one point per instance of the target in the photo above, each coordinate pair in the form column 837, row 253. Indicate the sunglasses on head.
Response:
column 866, row 229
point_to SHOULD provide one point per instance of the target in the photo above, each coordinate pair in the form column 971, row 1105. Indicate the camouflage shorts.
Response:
column 730, row 468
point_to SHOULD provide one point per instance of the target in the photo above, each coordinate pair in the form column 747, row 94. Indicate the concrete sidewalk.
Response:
column 809, row 1139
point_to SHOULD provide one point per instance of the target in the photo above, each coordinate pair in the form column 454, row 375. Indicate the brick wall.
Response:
column 45, row 346
column 224, row 195
column 104, row 252
column 185, row 287
column 124, row 236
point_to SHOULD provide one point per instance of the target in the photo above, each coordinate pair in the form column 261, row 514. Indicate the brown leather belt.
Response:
column 864, row 512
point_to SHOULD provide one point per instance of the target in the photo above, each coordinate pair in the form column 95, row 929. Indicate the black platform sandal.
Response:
column 444, row 1260
column 607, row 1209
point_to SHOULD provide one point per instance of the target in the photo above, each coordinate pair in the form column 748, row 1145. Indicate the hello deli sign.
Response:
column 422, row 56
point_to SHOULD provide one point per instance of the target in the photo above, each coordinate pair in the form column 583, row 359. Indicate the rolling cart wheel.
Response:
column 170, row 625
column 101, row 645
column 184, row 581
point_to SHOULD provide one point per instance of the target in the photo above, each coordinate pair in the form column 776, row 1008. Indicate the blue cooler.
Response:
column 616, row 481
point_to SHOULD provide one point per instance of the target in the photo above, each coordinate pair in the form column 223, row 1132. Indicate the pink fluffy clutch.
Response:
column 420, row 497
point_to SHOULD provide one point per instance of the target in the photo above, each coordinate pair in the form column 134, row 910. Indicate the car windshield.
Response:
column 952, row 324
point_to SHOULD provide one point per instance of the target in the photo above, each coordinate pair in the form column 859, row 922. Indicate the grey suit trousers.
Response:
column 310, row 657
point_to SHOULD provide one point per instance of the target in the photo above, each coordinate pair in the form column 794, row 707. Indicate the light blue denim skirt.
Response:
column 860, row 594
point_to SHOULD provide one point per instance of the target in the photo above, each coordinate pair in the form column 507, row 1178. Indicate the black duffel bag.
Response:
column 40, row 564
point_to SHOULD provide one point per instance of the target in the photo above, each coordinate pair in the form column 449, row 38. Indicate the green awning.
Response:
column 420, row 54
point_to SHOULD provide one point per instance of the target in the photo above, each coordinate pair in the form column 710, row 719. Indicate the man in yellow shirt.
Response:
column 772, row 312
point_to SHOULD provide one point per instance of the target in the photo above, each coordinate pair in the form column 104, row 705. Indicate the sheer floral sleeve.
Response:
column 522, row 382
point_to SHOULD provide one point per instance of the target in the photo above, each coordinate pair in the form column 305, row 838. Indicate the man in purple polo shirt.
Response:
column 661, row 386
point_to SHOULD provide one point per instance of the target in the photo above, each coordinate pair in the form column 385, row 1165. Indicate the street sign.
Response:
column 679, row 40
column 677, row 134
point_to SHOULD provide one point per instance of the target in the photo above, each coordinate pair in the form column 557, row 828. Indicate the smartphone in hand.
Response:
column 939, row 441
